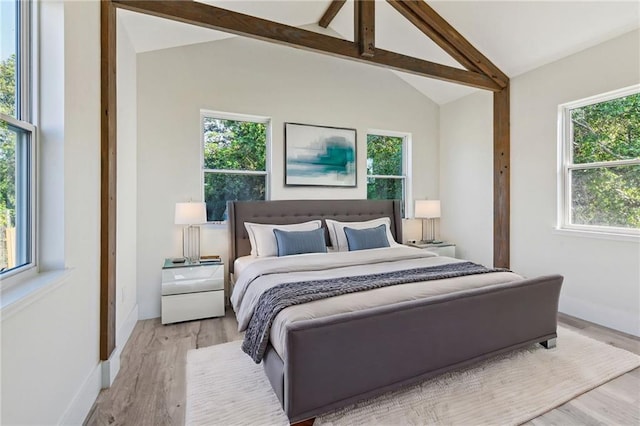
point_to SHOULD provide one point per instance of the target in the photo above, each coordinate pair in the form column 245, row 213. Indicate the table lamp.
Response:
column 191, row 214
column 430, row 210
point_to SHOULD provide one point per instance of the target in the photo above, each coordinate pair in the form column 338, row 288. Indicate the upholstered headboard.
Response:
column 284, row 212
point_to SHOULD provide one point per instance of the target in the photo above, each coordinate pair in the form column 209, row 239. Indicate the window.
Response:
column 600, row 163
column 235, row 165
column 387, row 166
column 17, row 140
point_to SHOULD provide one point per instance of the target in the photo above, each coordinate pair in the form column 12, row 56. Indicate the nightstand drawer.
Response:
column 186, row 307
column 192, row 286
column 449, row 251
column 441, row 249
column 192, row 279
column 193, row 273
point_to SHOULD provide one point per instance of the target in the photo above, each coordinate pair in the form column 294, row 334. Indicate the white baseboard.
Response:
column 102, row 376
column 626, row 322
column 83, row 400
column 111, row 367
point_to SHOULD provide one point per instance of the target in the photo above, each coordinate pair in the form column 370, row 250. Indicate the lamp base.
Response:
column 431, row 234
column 191, row 243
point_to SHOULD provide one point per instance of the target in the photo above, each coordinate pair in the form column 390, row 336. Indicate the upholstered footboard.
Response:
column 335, row 361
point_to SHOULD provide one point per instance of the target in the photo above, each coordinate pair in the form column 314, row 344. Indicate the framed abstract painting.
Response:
column 319, row 155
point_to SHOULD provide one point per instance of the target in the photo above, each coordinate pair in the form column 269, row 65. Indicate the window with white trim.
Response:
column 387, row 166
column 235, row 160
column 17, row 140
column 599, row 181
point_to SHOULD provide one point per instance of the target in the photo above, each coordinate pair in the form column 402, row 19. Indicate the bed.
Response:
column 329, row 361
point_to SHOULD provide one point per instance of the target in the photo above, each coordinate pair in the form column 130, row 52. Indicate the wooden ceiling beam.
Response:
column 419, row 23
column 364, row 17
column 216, row 18
column 459, row 45
column 331, row 12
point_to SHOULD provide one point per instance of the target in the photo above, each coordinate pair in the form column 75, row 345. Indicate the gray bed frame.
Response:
column 342, row 359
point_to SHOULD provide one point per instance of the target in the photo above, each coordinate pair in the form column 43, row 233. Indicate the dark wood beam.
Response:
column 501, row 177
column 107, row 179
column 331, row 12
column 456, row 40
column 364, row 21
column 208, row 16
column 419, row 23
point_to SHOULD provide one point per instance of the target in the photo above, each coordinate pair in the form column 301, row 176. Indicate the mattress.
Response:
column 260, row 276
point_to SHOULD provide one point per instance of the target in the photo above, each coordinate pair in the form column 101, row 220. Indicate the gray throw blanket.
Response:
column 277, row 298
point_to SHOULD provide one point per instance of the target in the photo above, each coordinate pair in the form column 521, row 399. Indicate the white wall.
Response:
column 257, row 78
column 127, row 180
column 466, row 176
column 602, row 276
column 50, row 359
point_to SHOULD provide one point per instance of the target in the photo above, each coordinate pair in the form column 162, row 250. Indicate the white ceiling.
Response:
column 517, row 36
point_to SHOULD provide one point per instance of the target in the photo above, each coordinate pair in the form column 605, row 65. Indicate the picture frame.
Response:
column 320, row 155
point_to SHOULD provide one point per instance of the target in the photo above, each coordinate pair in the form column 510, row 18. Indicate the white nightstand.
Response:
column 192, row 291
column 441, row 249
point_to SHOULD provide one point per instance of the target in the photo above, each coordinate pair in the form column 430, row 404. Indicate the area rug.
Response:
column 225, row 387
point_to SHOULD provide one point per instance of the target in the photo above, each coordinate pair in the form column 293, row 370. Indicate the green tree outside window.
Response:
column 235, row 163
column 7, row 156
column 604, row 171
column 385, row 171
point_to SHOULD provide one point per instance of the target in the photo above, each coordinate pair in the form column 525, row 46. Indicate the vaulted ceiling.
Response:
column 517, row 36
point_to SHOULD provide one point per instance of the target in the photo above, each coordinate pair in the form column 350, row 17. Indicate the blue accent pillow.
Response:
column 299, row 242
column 369, row 238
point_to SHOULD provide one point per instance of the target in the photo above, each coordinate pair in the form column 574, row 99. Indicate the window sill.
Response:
column 19, row 296
column 596, row 234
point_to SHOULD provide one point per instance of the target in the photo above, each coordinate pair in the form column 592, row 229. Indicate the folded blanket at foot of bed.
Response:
column 277, row 298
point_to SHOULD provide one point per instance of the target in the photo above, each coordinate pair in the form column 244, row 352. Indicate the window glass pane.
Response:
column 384, row 155
column 8, row 67
column 607, row 131
column 386, row 189
column 15, row 225
column 222, row 187
column 234, row 145
column 607, row 196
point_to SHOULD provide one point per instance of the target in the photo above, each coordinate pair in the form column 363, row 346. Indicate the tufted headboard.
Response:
column 284, row 212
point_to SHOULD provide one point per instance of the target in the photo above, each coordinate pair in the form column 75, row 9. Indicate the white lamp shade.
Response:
column 191, row 213
column 427, row 209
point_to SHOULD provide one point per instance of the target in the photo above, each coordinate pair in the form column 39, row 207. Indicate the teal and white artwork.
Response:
column 320, row 156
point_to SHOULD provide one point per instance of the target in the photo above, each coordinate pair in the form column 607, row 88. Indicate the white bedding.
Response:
column 257, row 277
column 241, row 264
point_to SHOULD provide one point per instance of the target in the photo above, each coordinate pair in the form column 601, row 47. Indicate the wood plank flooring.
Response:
column 150, row 388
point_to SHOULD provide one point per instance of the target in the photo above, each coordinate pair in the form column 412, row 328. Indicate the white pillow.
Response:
column 263, row 241
column 339, row 239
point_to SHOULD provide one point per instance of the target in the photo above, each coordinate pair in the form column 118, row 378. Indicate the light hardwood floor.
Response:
column 150, row 387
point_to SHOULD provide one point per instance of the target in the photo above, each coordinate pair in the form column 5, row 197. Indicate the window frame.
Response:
column 406, row 165
column 220, row 115
column 566, row 166
column 24, row 120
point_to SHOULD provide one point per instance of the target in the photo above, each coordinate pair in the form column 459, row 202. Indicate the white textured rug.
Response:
column 225, row 387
